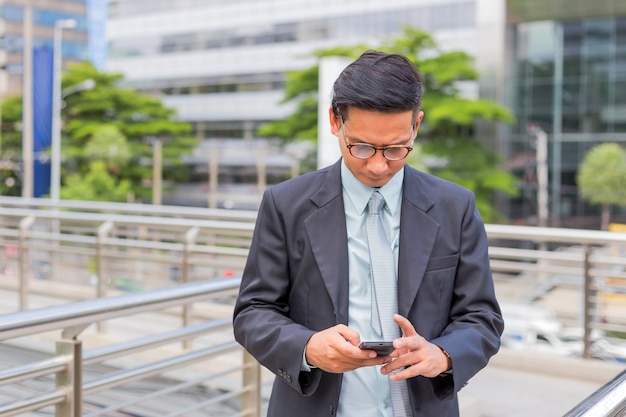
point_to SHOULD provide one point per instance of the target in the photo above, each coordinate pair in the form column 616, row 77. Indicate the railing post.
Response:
column 70, row 378
column 251, row 397
column 25, row 224
column 190, row 239
column 588, row 305
column 103, row 232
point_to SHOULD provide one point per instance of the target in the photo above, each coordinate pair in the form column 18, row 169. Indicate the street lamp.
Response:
column 87, row 84
column 55, row 169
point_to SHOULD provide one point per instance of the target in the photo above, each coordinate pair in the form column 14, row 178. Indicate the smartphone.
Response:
column 381, row 348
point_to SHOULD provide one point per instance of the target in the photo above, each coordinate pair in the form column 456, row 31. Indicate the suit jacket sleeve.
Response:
column 270, row 317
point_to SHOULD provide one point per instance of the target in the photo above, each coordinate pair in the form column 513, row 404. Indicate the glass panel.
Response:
column 570, row 123
column 542, row 95
column 571, row 65
column 541, row 41
column 571, row 96
column 572, row 48
column 543, row 69
column 620, row 31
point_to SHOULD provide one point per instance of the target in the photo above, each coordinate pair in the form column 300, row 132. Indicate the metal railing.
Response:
column 68, row 392
column 608, row 401
column 95, row 250
column 591, row 262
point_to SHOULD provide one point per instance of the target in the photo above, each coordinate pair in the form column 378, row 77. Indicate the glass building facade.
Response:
column 44, row 15
column 235, row 38
column 222, row 65
column 558, row 64
column 570, row 80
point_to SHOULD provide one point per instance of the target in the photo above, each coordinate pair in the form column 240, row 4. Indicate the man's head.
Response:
column 375, row 108
column 376, row 81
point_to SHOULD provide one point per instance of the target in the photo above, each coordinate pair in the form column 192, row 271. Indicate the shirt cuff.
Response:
column 305, row 367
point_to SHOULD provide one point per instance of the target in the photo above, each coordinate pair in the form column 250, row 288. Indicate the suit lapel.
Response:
column 418, row 233
column 326, row 229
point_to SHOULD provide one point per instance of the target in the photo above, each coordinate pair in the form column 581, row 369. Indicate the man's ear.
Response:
column 335, row 123
column 418, row 120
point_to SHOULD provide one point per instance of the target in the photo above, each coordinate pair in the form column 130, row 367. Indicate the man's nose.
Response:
column 378, row 162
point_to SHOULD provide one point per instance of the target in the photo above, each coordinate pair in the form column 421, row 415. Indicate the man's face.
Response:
column 377, row 129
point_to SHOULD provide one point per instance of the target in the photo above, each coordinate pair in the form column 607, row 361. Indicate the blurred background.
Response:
column 185, row 106
column 206, row 102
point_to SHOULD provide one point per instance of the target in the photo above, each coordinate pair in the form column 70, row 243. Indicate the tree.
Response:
column 133, row 119
column 446, row 135
column 11, row 147
column 95, row 185
column 108, row 131
column 602, row 178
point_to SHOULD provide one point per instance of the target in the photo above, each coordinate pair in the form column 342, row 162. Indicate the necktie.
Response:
column 384, row 293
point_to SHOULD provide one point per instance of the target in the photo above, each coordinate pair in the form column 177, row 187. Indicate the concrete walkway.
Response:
column 520, row 384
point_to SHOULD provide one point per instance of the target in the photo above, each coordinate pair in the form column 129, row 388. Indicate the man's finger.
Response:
column 405, row 325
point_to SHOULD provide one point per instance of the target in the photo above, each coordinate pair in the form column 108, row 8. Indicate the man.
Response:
column 309, row 296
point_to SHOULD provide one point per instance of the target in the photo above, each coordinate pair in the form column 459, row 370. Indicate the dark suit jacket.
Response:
column 296, row 283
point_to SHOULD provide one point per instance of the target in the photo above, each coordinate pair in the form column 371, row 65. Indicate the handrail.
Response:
column 127, row 219
column 67, row 366
column 80, row 313
column 554, row 234
column 126, row 208
column 608, row 401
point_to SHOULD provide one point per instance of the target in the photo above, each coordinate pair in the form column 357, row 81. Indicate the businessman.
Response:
column 369, row 249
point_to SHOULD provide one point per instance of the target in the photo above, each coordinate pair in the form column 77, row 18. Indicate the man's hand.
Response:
column 335, row 350
column 416, row 354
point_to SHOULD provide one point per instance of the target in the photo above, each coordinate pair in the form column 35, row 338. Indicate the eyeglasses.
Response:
column 366, row 150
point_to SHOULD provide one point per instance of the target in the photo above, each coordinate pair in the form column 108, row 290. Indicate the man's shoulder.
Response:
column 304, row 183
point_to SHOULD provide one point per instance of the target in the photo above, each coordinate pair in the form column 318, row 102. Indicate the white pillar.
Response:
column 55, row 157
column 27, row 105
column 327, row 148
column 492, row 49
column 541, row 157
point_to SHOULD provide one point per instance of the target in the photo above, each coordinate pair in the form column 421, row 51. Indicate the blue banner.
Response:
column 42, row 118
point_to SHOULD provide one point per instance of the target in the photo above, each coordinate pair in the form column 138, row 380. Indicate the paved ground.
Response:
column 506, row 392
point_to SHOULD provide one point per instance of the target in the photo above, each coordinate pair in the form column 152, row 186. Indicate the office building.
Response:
column 44, row 14
column 97, row 14
column 567, row 75
column 558, row 64
column 222, row 65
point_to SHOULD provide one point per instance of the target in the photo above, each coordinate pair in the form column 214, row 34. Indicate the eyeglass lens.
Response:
column 366, row 151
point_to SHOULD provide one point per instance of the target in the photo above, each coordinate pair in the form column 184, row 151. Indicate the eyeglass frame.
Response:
column 382, row 149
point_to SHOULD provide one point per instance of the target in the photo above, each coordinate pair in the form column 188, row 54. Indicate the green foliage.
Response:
column 96, row 185
column 300, row 125
column 602, row 177
column 11, row 146
column 129, row 119
column 449, row 118
column 111, row 125
column 110, row 145
column 473, row 166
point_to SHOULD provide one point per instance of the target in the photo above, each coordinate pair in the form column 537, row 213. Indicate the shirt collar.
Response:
column 360, row 194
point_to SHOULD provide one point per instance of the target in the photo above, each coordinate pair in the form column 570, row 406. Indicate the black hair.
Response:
column 377, row 81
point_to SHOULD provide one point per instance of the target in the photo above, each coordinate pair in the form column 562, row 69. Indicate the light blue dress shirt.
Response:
column 365, row 391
